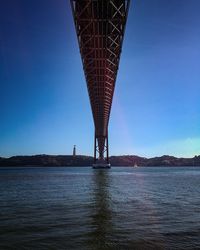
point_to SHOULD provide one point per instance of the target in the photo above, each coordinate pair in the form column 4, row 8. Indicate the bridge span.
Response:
column 100, row 27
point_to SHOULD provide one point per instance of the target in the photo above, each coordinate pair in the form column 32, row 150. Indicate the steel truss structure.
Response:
column 100, row 27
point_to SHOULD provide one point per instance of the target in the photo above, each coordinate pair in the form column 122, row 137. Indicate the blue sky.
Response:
column 44, row 105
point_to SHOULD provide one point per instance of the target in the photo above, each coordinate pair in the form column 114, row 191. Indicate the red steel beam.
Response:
column 100, row 27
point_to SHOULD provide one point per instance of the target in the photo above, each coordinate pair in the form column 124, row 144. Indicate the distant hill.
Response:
column 47, row 160
column 165, row 160
column 81, row 160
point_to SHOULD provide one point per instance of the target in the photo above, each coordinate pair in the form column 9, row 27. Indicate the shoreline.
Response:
column 85, row 161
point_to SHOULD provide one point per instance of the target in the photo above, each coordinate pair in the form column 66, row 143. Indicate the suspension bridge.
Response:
column 100, row 27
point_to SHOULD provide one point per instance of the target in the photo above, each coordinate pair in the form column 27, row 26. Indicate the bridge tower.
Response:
column 100, row 27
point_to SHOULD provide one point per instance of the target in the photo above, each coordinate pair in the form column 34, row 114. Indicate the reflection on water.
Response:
column 101, row 223
column 111, row 228
column 83, row 208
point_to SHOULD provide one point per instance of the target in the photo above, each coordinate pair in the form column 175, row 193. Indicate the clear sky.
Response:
column 44, row 105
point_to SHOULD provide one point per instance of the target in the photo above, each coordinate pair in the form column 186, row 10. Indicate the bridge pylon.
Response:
column 101, row 151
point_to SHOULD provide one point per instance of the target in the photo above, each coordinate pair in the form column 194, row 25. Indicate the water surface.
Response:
column 83, row 208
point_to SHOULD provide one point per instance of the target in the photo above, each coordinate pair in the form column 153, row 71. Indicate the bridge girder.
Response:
column 100, row 27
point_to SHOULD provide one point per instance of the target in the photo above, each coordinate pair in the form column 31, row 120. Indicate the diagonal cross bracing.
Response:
column 100, row 26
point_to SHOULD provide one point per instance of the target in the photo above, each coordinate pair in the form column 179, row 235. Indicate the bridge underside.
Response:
column 100, row 26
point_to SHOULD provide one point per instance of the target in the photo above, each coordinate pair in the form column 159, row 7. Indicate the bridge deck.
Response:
column 100, row 26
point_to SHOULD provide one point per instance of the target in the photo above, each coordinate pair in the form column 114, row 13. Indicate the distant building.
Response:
column 74, row 151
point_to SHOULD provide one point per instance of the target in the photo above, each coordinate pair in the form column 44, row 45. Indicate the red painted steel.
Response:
column 100, row 26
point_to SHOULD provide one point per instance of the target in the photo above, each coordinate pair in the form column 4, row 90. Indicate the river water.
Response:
column 83, row 208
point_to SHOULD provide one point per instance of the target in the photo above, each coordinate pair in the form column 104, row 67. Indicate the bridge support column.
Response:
column 101, row 156
column 107, row 150
column 95, row 149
